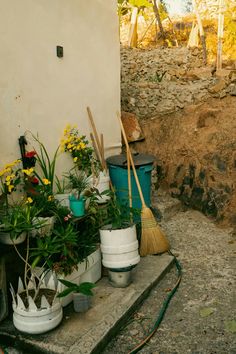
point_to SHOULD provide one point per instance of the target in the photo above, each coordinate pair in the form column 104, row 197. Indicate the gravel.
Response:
column 201, row 318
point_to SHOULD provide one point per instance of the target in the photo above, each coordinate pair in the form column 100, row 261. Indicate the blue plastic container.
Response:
column 77, row 206
column 119, row 178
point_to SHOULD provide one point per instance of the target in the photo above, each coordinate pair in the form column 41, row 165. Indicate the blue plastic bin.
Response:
column 119, row 177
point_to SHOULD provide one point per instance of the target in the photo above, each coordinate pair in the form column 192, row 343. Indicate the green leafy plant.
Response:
column 83, row 288
column 61, row 185
column 39, row 181
column 77, row 182
column 118, row 215
column 58, row 251
column 19, row 218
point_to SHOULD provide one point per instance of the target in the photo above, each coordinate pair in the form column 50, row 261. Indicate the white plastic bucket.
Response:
column 37, row 321
column 90, row 270
column 102, row 183
column 63, row 199
column 119, row 247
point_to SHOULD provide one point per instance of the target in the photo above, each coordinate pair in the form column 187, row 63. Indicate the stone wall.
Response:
column 187, row 114
column 166, row 80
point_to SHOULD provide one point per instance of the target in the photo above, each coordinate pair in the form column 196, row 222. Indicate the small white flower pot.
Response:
column 46, row 227
column 63, row 199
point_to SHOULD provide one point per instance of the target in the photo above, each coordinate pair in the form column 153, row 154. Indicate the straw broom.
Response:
column 153, row 240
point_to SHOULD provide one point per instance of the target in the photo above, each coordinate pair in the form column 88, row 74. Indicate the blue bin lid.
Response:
column 139, row 160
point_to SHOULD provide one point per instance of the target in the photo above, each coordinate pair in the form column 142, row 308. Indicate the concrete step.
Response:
column 166, row 206
column 90, row 332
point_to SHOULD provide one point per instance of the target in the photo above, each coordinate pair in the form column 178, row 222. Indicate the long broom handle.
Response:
column 95, row 135
column 129, row 180
column 131, row 160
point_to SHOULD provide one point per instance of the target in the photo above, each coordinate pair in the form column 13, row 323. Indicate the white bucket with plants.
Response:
column 119, row 244
column 90, row 270
column 36, row 309
column 102, row 184
column 63, row 199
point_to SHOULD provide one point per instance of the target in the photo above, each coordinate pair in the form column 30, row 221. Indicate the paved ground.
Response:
column 201, row 318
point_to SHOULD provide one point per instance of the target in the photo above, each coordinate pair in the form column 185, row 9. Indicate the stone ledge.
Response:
column 90, row 332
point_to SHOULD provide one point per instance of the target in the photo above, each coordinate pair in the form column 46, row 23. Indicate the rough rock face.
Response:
column 187, row 113
column 164, row 80
column 195, row 152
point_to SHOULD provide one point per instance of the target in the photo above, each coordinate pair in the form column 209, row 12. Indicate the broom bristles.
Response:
column 153, row 240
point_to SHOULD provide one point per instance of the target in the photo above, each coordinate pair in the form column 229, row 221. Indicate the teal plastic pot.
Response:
column 119, row 177
column 77, row 207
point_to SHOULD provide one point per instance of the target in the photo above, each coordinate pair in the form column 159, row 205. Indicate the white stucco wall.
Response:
column 41, row 92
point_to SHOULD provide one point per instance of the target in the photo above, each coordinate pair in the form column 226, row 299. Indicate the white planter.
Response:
column 90, row 270
column 47, row 224
column 5, row 238
column 63, row 199
column 38, row 320
column 33, row 319
column 119, row 247
column 102, row 183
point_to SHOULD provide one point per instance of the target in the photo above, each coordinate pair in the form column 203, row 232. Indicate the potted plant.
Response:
column 119, row 244
column 71, row 250
column 36, row 308
column 39, row 183
column 78, row 183
column 80, row 150
column 16, row 223
column 82, row 294
column 62, row 192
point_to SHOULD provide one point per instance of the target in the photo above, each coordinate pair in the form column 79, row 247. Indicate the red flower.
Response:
column 30, row 154
column 34, row 180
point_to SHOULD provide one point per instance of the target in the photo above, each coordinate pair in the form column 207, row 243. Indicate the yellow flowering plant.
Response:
column 78, row 146
column 39, row 180
column 10, row 178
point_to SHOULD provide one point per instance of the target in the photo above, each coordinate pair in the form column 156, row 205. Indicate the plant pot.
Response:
column 5, row 238
column 90, row 270
column 81, row 302
column 77, row 207
column 63, row 199
column 120, row 278
column 37, row 319
column 119, row 247
column 47, row 224
column 102, row 183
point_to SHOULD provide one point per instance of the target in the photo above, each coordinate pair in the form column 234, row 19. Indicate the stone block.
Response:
column 220, row 85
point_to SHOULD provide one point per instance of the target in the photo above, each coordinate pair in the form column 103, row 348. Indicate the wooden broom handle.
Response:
column 129, row 180
column 95, row 135
column 95, row 148
column 131, row 160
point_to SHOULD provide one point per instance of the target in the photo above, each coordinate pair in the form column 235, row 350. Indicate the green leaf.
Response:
column 206, row 311
column 230, row 326
column 66, row 292
column 67, row 283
